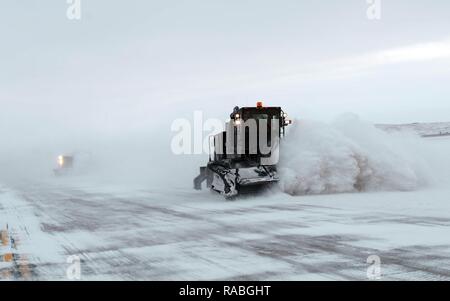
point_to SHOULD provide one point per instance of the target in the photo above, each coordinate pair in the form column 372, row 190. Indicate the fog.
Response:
column 108, row 86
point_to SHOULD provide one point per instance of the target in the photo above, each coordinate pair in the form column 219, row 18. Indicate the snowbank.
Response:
column 350, row 155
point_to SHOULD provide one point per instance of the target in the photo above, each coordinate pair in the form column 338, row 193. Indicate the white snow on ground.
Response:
column 350, row 155
column 23, row 243
column 161, row 232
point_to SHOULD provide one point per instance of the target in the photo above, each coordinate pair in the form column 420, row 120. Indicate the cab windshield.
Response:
column 259, row 116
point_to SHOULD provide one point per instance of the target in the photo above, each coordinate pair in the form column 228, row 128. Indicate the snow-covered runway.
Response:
column 140, row 233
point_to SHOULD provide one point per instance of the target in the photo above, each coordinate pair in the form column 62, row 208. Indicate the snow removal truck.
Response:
column 75, row 163
column 243, row 158
column 65, row 165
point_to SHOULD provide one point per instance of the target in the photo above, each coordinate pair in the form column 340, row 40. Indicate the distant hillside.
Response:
column 423, row 129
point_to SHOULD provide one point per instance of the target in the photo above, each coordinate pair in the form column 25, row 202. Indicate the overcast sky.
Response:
column 127, row 64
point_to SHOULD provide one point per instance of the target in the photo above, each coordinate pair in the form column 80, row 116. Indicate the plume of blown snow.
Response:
column 350, row 155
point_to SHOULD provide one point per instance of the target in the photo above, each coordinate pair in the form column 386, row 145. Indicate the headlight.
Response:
column 60, row 160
